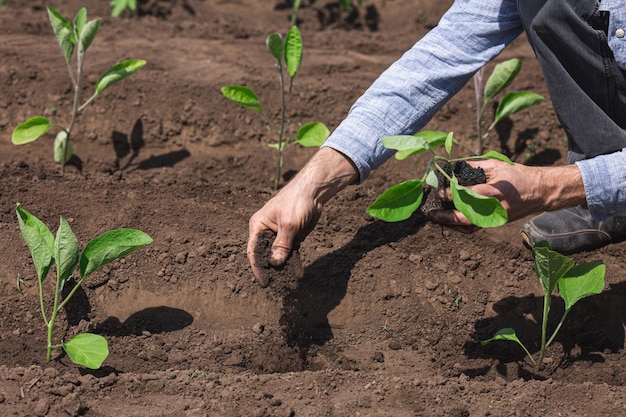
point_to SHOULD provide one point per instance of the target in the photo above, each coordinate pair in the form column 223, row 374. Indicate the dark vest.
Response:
column 586, row 86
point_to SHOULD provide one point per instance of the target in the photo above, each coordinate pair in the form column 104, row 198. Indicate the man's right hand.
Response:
column 294, row 211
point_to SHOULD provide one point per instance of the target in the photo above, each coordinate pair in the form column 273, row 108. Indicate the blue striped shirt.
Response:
column 407, row 95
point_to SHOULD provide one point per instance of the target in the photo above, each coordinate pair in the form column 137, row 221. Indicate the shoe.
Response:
column 573, row 230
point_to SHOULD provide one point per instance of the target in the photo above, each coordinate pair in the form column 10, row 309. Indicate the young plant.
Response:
column 120, row 5
column 502, row 76
column 79, row 35
column 86, row 349
column 574, row 282
column 287, row 56
column 401, row 200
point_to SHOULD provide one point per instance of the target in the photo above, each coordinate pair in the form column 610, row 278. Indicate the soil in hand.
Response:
column 467, row 176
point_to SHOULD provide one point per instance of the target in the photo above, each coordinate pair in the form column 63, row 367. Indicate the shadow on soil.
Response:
column 306, row 308
column 595, row 324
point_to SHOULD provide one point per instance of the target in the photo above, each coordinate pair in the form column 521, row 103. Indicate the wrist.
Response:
column 325, row 174
column 561, row 187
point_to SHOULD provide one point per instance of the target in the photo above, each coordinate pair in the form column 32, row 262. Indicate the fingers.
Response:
column 450, row 218
column 254, row 254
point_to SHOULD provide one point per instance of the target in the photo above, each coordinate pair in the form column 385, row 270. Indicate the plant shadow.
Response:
column 154, row 320
column 306, row 308
column 595, row 325
column 127, row 149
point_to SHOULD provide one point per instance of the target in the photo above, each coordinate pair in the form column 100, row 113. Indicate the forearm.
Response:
column 325, row 174
column 559, row 187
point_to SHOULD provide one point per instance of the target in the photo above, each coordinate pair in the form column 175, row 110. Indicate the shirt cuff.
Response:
column 604, row 179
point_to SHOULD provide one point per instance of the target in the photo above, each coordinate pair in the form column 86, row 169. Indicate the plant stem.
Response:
column 547, row 298
column 480, row 107
column 294, row 14
column 281, row 131
column 75, row 109
column 558, row 327
column 55, row 312
column 71, row 293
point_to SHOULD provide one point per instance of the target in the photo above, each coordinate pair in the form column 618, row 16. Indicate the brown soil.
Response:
column 385, row 320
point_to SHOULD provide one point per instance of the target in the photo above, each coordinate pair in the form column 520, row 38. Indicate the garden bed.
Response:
column 387, row 317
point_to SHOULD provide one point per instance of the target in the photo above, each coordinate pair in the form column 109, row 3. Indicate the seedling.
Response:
column 401, row 200
column 120, row 5
column 86, row 349
column 502, row 76
column 574, row 282
column 287, row 56
column 78, row 34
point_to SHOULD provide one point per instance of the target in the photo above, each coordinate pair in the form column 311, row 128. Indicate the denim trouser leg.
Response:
column 587, row 87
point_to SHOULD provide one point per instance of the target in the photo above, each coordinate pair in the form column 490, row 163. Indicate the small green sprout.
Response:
column 86, row 349
column 574, row 282
column 120, row 5
column 288, row 57
column 502, row 76
column 77, row 35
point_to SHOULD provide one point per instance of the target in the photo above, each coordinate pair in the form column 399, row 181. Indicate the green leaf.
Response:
column 275, row 44
column 434, row 139
column 31, row 130
column 59, row 140
column 88, row 33
column 448, row 143
column 119, row 72
column 79, row 22
column 110, row 246
column 503, row 74
column 293, row 51
column 87, row 349
column 406, row 145
column 398, row 202
column 515, row 102
column 65, row 251
column 581, row 281
column 39, row 240
column 312, row 134
column 431, row 178
column 503, row 334
column 62, row 29
column 243, row 96
column 550, row 266
column 508, row 334
column 495, row 155
column 120, row 5
column 480, row 210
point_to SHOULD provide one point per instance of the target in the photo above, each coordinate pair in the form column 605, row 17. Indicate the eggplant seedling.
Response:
column 287, row 55
column 120, row 5
column 86, row 349
column 401, row 200
column 574, row 282
column 79, row 35
column 502, row 76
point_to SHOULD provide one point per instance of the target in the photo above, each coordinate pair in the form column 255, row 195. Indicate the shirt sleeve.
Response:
column 604, row 179
column 407, row 95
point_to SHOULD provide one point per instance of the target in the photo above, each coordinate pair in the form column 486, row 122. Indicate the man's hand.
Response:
column 295, row 210
column 522, row 190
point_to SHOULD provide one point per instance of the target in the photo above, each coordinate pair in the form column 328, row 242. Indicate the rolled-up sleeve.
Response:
column 407, row 95
column 604, row 179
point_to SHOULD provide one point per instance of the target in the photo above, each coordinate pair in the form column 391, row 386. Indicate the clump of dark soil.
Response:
column 283, row 278
column 467, row 176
